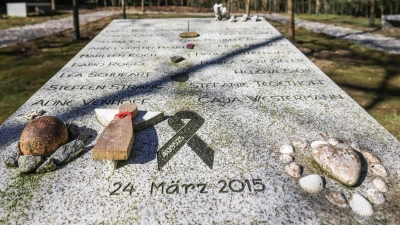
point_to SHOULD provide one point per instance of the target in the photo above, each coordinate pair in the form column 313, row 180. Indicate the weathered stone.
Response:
column 375, row 196
column 47, row 166
column 42, row 136
column 339, row 161
column 68, row 152
column 294, row 170
column 176, row 59
column 336, row 198
column 28, row 163
column 189, row 34
column 12, row 154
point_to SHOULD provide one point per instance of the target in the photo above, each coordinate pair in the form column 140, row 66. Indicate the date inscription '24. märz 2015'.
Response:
column 176, row 187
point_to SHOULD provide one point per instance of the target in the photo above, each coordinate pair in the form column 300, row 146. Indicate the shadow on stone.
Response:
column 364, row 169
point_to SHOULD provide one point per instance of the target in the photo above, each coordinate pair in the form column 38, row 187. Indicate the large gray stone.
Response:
column 239, row 95
column 340, row 161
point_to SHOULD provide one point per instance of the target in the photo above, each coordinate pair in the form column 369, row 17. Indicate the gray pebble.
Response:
column 68, row 152
column 28, row 163
column 47, row 166
column 12, row 154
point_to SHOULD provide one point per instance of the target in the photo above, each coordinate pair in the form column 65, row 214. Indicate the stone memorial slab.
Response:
column 242, row 114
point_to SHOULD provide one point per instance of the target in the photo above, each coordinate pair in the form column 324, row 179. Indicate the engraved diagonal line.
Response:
column 183, row 135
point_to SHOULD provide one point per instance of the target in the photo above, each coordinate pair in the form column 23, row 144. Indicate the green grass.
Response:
column 370, row 77
column 338, row 19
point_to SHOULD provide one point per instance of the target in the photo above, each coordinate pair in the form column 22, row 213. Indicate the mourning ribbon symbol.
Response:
column 185, row 133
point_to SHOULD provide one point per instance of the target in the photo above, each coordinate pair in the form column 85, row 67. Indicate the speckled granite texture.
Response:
column 249, row 91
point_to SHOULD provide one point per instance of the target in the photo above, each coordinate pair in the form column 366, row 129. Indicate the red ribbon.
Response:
column 122, row 115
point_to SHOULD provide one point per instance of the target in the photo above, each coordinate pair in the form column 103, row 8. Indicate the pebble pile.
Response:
column 341, row 162
column 374, row 41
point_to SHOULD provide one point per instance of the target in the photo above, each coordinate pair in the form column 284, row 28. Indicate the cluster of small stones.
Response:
column 314, row 183
column 63, row 154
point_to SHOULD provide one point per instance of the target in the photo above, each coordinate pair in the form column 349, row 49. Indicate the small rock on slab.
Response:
column 375, row 196
column 190, row 46
column 336, row 198
column 294, row 170
column 286, row 149
column 379, row 170
column 12, row 154
column 371, row 158
column 301, row 143
column 47, row 166
column 340, row 161
column 28, row 163
column 189, row 34
column 68, row 152
column 380, row 185
column 334, row 141
column 176, row 59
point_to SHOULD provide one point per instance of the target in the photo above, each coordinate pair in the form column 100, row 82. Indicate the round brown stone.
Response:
column 42, row 136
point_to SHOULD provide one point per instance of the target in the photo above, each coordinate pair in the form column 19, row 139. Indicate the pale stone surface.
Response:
column 252, row 92
column 342, row 163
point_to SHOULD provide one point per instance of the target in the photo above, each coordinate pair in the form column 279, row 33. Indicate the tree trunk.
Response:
column 105, row 3
column 248, row 8
column 123, row 9
column 326, row 7
column 317, row 3
column 75, row 9
column 309, row 6
column 142, row 6
column 372, row 14
column 53, row 5
column 291, row 19
column 166, row 2
column 302, row 6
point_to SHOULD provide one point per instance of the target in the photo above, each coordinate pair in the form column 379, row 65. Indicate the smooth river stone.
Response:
column 340, row 162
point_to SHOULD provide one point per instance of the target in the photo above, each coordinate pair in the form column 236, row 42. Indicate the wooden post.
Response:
column 76, row 19
column 123, row 9
column 291, row 20
column 116, row 140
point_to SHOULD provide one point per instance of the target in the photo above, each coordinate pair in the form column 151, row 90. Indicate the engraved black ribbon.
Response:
column 185, row 134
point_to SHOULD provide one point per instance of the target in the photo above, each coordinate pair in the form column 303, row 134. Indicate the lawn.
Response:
column 371, row 77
